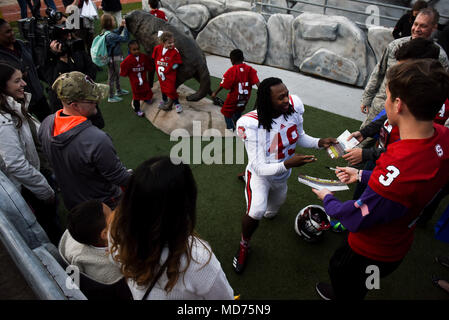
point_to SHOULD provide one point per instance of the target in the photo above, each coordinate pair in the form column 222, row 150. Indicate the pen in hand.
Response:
column 333, row 169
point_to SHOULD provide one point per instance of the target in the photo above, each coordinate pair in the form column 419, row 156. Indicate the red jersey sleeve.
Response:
column 228, row 79
column 124, row 67
column 253, row 78
column 155, row 52
column 177, row 57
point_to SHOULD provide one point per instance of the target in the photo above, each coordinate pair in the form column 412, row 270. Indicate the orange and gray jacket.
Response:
column 84, row 159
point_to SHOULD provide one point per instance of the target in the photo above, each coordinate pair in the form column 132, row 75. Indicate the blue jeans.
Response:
column 230, row 122
column 49, row 3
column 23, row 7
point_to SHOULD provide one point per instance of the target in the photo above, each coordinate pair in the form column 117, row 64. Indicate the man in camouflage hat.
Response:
column 374, row 95
column 83, row 157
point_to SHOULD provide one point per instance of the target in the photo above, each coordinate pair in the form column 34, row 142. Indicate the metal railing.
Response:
column 325, row 6
column 29, row 247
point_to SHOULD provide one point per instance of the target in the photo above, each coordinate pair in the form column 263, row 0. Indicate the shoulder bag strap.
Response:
column 153, row 282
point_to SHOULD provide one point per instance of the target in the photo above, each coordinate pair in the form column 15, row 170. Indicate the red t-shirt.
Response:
column 137, row 68
column 158, row 13
column 410, row 173
column 239, row 79
column 164, row 68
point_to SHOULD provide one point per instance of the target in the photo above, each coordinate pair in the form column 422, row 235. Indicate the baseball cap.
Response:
column 76, row 86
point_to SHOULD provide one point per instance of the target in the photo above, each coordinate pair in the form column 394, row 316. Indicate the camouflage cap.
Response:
column 76, row 86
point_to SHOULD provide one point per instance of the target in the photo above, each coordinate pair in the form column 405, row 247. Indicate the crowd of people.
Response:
column 124, row 224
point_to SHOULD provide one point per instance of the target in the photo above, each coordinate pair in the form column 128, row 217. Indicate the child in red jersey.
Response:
column 239, row 79
column 154, row 4
column 136, row 66
column 167, row 60
column 407, row 176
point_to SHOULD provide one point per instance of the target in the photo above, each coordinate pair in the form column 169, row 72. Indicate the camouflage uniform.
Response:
column 375, row 95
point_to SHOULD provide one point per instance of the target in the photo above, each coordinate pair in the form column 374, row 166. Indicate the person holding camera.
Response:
column 66, row 55
column 89, row 13
column 18, row 54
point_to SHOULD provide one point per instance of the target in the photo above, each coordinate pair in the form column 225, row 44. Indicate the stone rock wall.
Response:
column 333, row 47
column 279, row 53
column 174, row 20
column 194, row 16
column 240, row 29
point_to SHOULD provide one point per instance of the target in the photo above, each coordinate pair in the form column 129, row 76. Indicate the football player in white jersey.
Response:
column 271, row 133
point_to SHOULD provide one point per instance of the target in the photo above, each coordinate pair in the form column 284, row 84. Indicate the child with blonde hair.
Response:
column 167, row 60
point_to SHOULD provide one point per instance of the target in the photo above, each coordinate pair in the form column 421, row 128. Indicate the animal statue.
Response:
column 145, row 27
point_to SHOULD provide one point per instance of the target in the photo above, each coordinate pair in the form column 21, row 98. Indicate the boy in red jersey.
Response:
column 167, row 59
column 239, row 79
column 406, row 177
column 154, row 4
column 136, row 66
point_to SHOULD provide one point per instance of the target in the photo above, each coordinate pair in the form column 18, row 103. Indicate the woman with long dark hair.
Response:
column 152, row 237
column 18, row 151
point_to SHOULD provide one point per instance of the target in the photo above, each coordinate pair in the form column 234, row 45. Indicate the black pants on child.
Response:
column 136, row 105
column 349, row 274
column 165, row 98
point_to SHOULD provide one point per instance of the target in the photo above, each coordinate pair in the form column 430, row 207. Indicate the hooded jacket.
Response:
column 84, row 159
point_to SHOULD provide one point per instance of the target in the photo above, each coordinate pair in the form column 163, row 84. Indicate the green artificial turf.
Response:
column 281, row 265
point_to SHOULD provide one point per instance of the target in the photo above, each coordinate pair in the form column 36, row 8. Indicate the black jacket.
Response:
column 403, row 27
column 24, row 62
column 371, row 130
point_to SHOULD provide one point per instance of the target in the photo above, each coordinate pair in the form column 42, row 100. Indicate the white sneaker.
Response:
column 270, row 215
column 178, row 108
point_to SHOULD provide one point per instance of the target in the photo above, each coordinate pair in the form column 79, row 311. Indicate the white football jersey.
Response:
column 268, row 150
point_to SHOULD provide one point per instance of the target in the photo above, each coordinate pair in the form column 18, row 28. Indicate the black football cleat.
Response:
column 240, row 259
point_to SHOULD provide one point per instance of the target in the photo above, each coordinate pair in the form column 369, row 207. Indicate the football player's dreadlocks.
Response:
column 263, row 103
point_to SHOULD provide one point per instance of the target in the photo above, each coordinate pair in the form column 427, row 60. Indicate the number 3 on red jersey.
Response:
column 392, row 174
column 277, row 145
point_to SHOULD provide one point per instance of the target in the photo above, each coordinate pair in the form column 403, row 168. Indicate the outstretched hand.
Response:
column 353, row 156
column 358, row 135
column 327, row 142
column 298, row 160
column 321, row 193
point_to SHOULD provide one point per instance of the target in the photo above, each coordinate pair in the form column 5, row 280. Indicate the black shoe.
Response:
column 444, row 261
column 217, row 101
column 240, row 259
column 325, row 291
